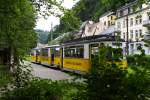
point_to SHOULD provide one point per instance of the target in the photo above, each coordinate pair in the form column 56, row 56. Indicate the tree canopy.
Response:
column 17, row 22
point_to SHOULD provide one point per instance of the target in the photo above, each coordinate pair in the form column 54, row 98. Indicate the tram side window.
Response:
column 45, row 52
column 117, row 54
column 109, row 54
column 69, row 52
column 37, row 52
column 114, row 54
column 94, row 50
column 80, row 53
column 76, row 52
column 57, row 52
column 32, row 53
column 72, row 53
column 66, row 53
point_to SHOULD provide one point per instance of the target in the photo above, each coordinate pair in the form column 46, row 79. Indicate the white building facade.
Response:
column 133, row 21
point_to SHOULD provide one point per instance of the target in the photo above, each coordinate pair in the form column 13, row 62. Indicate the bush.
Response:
column 109, row 82
column 105, row 83
column 5, row 76
column 37, row 90
column 137, row 83
column 105, row 79
column 46, row 90
column 138, row 60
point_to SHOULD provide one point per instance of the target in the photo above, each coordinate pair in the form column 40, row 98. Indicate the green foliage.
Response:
column 52, row 7
column 138, row 60
column 28, row 58
column 37, row 90
column 62, row 38
column 45, row 90
column 22, row 75
column 68, row 23
column 17, row 18
column 137, row 83
column 72, row 90
column 5, row 76
column 42, row 36
column 105, row 80
column 109, row 82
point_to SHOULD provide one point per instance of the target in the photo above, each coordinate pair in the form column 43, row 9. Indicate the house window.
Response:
column 136, row 33
column 136, row 21
column 109, row 23
column 131, row 22
column 148, row 15
column 140, row 33
column 124, row 36
column 124, row 24
column 132, row 48
column 111, row 17
column 105, row 23
column 140, row 19
column 118, row 14
column 131, row 34
column 118, row 25
column 121, row 13
column 129, row 10
column 112, row 23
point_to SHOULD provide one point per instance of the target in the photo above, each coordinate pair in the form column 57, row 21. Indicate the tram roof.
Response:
column 52, row 46
column 95, row 38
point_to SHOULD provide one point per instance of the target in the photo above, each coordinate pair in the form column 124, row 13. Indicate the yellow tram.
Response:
column 51, row 56
column 35, row 55
column 75, row 55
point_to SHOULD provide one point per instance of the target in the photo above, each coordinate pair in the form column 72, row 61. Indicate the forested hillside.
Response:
column 86, row 10
column 42, row 36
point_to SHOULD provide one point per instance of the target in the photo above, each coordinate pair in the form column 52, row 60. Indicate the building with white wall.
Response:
column 108, row 19
column 106, row 25
column 133, row 20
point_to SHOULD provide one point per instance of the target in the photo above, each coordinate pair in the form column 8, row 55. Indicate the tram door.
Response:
column 52, row 56
column 37, row 53
column 61, row 58
column 94, row 48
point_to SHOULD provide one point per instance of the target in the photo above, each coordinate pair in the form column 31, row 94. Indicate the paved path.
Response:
column 48, row 73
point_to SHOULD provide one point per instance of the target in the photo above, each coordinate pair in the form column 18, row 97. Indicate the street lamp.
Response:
column 127, row 36
column 51, row 31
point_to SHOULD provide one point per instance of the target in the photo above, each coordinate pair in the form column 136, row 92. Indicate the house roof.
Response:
column 107, row 13
column 110, row 30
column 128, row 5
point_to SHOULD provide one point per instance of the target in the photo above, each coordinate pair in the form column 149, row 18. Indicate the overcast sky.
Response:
column 45, row 24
